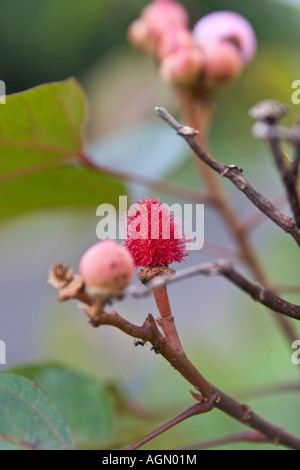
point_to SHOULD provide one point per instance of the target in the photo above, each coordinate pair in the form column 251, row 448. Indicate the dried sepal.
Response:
column 149, row 273
column 72, row 290
column 60, row 275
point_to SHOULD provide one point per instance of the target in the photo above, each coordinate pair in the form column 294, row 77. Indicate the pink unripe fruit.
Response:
column 227, row 25
column 163, row 14
column 139, row 36
column 106, row 269
column 222, row 62
column 173, row 39
column 183, row 67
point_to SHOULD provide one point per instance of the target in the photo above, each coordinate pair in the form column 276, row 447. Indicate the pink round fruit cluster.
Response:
column 215, row 51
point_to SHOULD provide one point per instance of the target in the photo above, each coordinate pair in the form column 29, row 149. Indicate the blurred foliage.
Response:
column 82, row 399
column 29, row 418
column 52, row 39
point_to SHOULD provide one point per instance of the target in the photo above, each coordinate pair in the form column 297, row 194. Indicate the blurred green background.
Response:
column 236, row 343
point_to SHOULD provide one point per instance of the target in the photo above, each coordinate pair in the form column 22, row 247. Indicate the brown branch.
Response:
column 289, row 177
column 197, row 110
column 241, row 412
column 254, row 219
column 269, row 112
column 197, row 409
column 220, row 267
column 149, row 332
column 296, row 162
column 235, row 175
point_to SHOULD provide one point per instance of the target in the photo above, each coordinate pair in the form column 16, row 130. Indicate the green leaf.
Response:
column 82, row 399
column 6, row 444
column 71, row 186
column 41, row 134
column 29, row 418
column 41, row 125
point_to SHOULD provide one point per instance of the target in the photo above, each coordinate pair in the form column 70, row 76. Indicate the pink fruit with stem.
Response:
column 227, row 26
column 174, row 38
column 156, row 18
column 182, row 67
column 221, row 62
column 139, row 36
column 160, row 15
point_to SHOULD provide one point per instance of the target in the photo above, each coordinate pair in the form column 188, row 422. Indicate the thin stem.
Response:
column 162, row 301
column 239, row 231
column 258, row 217
column 296, row 162
column 31, row 170
column 267, row 391
column 235, row 175
column 159, row 185
column 278, row 156
column 295, row 289
column 289, row 176
column 251, row 436
column 167, row 322
column 198, row 408
column 211, row 248
column 22, row 444
column 197, row 112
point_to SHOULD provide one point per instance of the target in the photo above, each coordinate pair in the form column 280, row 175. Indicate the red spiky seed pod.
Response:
column 154, row 236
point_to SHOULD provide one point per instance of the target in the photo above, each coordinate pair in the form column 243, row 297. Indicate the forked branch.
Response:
column 235, row 175
column 220, row 267
column 194, row 410
column 149, row 332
